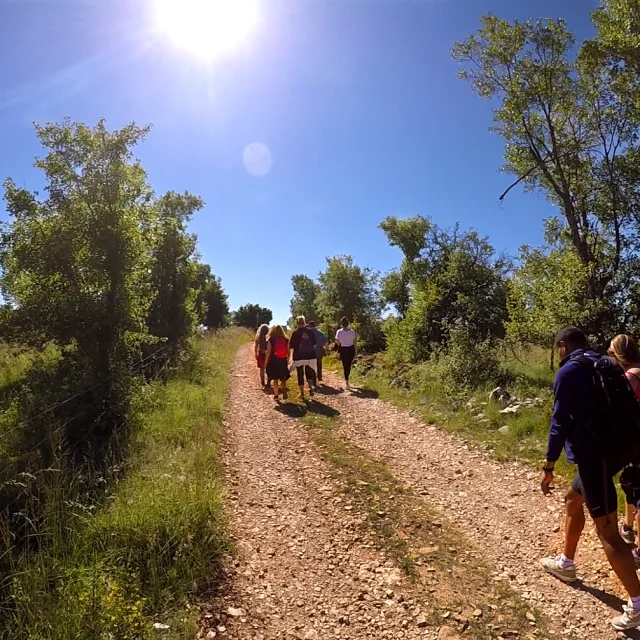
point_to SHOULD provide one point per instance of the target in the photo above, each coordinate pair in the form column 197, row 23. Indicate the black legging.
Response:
column 347, row 354
column 307, row 372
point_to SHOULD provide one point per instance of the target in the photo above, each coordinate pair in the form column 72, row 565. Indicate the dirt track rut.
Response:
column 304, row 570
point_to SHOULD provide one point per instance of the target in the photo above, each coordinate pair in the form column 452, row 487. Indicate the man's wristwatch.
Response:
column 547, row 469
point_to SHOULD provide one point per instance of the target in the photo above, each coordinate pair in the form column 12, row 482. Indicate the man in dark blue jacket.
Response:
column 572, row 430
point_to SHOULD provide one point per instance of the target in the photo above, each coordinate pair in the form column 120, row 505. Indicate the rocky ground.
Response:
column 308, row 566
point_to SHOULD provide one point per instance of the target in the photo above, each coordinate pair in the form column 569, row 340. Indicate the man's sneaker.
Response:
column 550, row 565
column 627, row 534
column 630, row 619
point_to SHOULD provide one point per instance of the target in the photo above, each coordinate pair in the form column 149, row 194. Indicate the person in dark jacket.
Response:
column 571, row 429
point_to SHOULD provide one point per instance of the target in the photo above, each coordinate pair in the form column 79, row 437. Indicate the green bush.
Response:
column 463, row 365
column 108, row 568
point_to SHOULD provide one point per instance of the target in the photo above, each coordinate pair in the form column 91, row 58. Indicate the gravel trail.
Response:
column 301, row 569
column 497, row 506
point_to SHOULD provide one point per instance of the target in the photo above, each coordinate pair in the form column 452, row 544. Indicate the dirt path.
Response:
column 304, row 568
column 301, row 570
column 498, row 506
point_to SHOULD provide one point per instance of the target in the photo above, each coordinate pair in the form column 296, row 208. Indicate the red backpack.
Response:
column 281, row 348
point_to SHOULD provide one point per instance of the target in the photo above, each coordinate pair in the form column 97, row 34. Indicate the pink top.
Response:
column 634, row 379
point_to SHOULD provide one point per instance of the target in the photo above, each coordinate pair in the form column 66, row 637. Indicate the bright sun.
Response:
column 207, row 28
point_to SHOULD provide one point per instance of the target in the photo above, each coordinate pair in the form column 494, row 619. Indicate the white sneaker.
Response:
column 552, row 566
column 630, row 619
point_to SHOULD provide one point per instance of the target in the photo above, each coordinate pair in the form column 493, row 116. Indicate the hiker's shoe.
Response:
column 627, row 534
column 630, row 619
column 311, row 392
column 550, row 565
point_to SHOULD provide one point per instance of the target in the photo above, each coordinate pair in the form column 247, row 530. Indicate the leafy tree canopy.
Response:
column 252, row 316
column 305, row 297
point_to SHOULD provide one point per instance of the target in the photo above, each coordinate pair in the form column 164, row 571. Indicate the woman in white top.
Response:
column 346, row 339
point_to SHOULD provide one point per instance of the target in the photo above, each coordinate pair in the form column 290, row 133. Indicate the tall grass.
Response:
column 111, row 568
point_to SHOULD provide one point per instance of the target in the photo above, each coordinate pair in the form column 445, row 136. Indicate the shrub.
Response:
column 464, row 364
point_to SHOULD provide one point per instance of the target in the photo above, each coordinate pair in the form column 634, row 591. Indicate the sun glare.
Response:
column 207, row 28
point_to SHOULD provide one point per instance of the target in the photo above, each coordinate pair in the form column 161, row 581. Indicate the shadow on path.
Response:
column 365, row 393
column 609, row 599
column 310, row 406
column 325, row 390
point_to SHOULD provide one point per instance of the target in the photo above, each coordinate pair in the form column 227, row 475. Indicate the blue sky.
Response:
column 356, row 100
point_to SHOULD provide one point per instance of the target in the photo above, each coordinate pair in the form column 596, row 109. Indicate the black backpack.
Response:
column 616, row 423
column 306, row 348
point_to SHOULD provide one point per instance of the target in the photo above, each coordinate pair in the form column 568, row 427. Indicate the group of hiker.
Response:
column 278, row 355
column 596, row 420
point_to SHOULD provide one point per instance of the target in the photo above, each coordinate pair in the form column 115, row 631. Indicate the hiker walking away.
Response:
column 584, row 424
column 277, row 359
column 260, row 350
column 321, row 348
column 303, row 345
column 346, row 340
column 625, row 350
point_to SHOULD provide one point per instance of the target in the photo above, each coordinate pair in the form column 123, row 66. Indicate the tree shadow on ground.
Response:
column 610, row 600
column 309, row 407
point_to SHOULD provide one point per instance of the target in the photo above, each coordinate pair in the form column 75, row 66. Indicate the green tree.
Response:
column 305, row 296
column 547, row 292
column 410, row 236
column 252, row 316
column 348, row 290
column 570, row 129
column 618, row 38
column 452, row 279
column 174, row 271
column 75, row 271
column 212, row 305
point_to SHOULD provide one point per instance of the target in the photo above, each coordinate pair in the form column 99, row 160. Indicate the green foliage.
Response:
column 347, row 290
column 618, row 37
column 212, row 307
column 174, row 271
column 305, row 296
column 251, row 316
column 112, row 568
column 395, row 291
column 75, row 272
column 464, row 364
column 548, row 291
column 94, row 275
column 570, row 124
column 451, row 280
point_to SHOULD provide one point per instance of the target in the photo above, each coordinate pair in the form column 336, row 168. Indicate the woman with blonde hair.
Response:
column 277, row 361
column 624, row 349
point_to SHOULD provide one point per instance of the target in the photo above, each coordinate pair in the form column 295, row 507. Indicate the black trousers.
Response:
column 347, row 354
column 307, row 372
